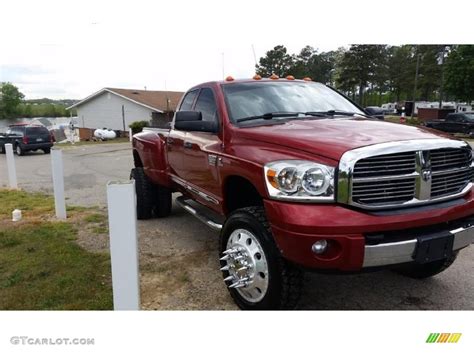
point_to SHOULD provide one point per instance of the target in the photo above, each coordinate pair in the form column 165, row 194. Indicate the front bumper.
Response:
column 296, row 227
column 404, row 251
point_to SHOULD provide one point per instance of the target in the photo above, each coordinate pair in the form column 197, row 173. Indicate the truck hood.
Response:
column 331, row 138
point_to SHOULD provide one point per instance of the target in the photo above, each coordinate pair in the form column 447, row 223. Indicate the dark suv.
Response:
column 26, row 138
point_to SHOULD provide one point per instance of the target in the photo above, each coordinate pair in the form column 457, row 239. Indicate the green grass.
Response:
column 41, row 265
column 95, row 218
column 29, row 203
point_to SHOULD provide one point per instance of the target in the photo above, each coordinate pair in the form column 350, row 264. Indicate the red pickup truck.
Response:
column 297, row 177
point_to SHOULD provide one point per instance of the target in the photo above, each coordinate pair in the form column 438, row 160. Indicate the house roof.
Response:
column 154, row 100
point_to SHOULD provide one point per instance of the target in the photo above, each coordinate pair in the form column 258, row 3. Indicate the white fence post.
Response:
column 130, row 134
column 121, row 203
column 11, row 166
column 58, row 183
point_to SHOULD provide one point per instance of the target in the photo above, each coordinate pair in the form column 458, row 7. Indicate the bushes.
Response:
column 138, row 126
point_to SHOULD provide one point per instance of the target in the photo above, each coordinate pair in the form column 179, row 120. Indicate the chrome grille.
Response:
column 404, row 178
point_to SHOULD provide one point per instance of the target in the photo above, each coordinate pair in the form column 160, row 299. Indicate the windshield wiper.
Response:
column 269, row 116
column 333, row 113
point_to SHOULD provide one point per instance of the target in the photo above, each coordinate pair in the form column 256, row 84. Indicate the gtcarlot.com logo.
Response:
column 443, row 337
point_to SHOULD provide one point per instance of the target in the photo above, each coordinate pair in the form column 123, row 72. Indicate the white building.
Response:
column 117, row 108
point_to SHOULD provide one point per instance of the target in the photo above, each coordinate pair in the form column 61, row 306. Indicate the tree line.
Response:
column 376, row 74
column 13, row 105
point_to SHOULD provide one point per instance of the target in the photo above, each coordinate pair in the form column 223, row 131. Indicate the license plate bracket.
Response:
column 433, row 247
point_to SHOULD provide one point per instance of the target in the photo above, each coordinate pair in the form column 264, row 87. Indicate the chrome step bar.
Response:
column 181, row 201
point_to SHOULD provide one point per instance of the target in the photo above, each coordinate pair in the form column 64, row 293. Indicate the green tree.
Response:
column 358, row 67
column 10, row 98
column 429, row 80
column 302, row 63
column 276, row 61
column 401, row 71
column 459, row 73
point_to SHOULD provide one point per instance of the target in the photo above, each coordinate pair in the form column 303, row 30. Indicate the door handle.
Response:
column 169, row 140
column 188, row 145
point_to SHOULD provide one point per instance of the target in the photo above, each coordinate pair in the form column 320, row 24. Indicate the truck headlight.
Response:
column 300, row 180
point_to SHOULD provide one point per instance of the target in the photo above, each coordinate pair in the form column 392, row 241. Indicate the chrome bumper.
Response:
column 402, row 252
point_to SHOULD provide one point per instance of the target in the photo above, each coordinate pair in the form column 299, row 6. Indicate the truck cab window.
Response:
column 188, row 101
column 206, row 104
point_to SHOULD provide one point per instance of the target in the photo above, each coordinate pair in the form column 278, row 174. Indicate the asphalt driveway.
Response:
column 178, row 254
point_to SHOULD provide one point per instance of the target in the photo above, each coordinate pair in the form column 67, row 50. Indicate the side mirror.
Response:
column 192, row 121
column 186, row 116
column 198, row 126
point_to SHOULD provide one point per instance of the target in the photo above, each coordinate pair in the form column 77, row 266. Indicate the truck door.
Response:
column 201, row 152
column 175, row 139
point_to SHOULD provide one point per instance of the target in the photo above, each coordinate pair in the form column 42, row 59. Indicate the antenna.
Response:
column 254, row 56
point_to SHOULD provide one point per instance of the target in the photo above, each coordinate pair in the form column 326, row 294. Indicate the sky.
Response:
column 70, row 49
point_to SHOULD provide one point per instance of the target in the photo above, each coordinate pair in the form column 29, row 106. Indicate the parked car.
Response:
column 26, row 138
column 376, row 112
column 460, row 122
column 296, row 177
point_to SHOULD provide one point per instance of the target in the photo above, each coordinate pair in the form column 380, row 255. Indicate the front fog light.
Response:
column 320, row 246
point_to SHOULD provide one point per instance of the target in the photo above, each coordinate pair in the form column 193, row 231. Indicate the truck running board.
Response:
column 199, row 212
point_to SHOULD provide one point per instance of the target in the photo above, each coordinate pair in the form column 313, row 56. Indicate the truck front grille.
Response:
column 391, row 180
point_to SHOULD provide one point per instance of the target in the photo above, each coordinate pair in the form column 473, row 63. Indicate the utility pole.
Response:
column 441, row 88
column 416, row 82
column 123, row 117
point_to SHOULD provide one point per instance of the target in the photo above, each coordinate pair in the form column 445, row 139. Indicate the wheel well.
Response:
column 136, row 160
column 240, row 192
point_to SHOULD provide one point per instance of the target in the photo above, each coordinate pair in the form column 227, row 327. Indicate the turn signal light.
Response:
column 271, row 177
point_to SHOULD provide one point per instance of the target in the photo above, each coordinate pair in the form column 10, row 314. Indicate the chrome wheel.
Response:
column 247, row 266
column 18, row 150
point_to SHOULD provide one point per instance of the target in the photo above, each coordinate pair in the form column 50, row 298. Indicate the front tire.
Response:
column 257, row 275
column 47, row 150
column 423, row 271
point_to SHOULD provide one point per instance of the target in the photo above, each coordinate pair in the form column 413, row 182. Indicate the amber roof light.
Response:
column 229, row 78
column 290, row 77
column 274, row 77
column 257, row 77
column 307, row 78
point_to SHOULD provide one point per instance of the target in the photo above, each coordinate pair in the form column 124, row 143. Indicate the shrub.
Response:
column 138, row 126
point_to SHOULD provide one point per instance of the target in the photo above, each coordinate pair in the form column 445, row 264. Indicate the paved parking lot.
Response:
column 178, row 254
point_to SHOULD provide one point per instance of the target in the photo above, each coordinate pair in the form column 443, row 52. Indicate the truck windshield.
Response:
column 255, row 99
